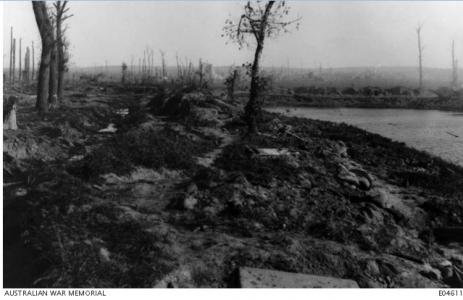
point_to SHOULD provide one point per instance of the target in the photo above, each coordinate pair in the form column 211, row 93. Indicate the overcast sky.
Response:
column 334, row 34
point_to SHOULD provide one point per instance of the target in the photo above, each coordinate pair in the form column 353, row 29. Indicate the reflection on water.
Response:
column 437, row 132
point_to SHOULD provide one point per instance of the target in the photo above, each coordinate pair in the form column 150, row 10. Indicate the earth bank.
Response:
column 178, row 197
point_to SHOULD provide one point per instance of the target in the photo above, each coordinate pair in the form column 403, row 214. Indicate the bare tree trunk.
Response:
column 131, row 68
column 33, row 63
column 11, row 57
column 46, row 34
column 163, row 61
column 252, row 109
column 20, row 62
column 9, row 113
column 179, row 72
column 14, row 60
column 61, row 60
column 420, row 59
column 231, row 85
column 53, row 83
column 454, row 68
column 26, row 73
column 201, row 73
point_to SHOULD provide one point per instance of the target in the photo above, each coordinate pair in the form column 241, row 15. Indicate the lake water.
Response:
column 437, row 132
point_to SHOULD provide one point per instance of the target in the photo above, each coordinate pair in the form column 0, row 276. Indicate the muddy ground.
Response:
column 178, row 196
column 454, row 103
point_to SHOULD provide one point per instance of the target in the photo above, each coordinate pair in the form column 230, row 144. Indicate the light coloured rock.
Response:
column 105, row 256
column 190, row 202
column 20, row 192
column 110, row 129
column 76, row 158
column 273, row 152
column 264, row 278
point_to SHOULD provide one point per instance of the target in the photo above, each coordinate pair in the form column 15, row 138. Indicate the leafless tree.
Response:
column 20, row 62
column 259, row 20
column 420, row 58
column 14, row 61
column 60, row 16
column 11, row 54
column 33, row 62
column 26, row 71
column 53, row 82
column 454, row 67
column 163, row 64
column 46, row 34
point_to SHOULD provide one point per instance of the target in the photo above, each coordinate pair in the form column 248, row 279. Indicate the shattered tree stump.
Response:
column 9, row 113
column 264, row 278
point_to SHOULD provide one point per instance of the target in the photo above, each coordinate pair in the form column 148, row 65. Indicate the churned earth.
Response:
column 119, row 187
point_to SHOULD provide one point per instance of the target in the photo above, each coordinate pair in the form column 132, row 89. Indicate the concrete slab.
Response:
column 264, row 278
column 273, row 152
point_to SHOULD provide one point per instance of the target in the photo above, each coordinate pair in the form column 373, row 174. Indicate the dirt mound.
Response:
column 196, row 108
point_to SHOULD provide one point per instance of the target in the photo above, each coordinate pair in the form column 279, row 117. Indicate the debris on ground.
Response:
column 177, row 196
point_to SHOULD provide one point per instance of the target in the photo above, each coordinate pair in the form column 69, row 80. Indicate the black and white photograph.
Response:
column 232, row 145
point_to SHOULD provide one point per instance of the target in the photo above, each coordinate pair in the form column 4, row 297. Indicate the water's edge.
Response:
column 435, row 132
